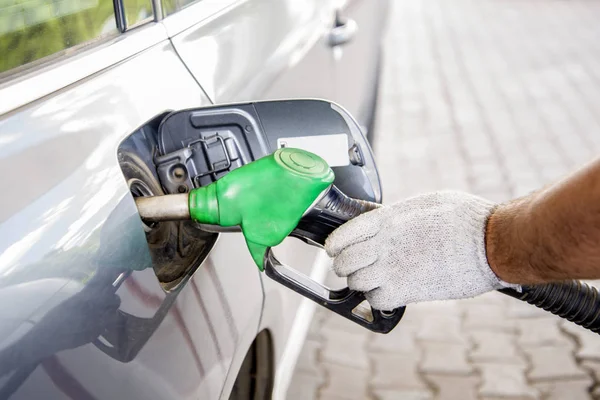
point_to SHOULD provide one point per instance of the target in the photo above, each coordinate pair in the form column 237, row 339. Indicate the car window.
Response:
column 33, row 29
column 172, row 6
column 137, row 11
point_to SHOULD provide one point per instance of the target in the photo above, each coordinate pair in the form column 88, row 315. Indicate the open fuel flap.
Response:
column 197, row 147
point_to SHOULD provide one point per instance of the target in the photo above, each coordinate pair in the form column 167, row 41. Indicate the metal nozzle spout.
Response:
column 164, row 208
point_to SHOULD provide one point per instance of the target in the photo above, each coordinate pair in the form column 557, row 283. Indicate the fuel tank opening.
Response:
column 177, row 248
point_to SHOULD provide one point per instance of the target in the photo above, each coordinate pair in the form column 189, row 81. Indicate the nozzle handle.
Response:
column 345, row 302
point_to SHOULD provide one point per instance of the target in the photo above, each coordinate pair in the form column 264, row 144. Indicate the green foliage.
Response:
column 137, row 10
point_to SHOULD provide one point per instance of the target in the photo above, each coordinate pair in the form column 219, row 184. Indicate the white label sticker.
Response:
column 331, row 148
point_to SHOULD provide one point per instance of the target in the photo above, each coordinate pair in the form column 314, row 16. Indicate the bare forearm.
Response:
column 550, row 235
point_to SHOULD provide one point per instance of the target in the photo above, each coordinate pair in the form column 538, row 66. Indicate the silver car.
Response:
column 96, row 303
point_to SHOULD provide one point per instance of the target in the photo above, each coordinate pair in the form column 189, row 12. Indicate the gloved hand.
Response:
column 429, row 247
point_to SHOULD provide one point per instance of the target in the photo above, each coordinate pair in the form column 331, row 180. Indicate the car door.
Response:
column 253, row 50
column 91, row 310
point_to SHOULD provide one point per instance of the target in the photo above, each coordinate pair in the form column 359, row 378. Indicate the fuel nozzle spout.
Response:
column 173, row 207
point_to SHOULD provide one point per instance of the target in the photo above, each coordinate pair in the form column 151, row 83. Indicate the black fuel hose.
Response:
column 574, row 301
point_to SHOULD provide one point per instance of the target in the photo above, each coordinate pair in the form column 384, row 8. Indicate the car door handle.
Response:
column 343, row 32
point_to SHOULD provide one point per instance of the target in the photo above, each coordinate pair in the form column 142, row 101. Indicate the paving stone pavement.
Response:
column 498, row 98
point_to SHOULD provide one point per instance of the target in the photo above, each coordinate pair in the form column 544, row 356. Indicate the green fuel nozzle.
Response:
column 266, row 198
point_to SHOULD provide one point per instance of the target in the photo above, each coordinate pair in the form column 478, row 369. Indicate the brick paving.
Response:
column 498, row 98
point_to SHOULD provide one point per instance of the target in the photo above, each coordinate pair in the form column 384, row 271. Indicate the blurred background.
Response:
column 498, row 98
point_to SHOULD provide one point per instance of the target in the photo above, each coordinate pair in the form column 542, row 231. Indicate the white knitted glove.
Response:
column 429, row 247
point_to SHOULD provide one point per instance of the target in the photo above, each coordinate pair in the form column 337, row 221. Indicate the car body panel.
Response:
column 75, row 234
